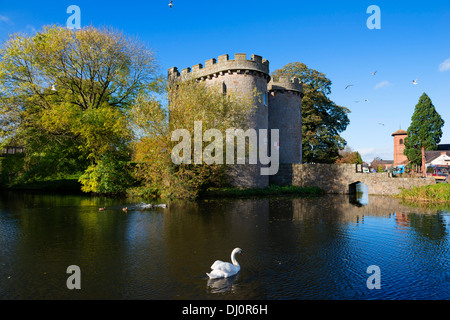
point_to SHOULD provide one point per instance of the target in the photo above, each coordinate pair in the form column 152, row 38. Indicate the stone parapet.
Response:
column 285, row 84
column 337, row 178
column 222, row 65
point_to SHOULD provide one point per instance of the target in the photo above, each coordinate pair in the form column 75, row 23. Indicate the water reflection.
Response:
column 296, row 248
column 361, row 195
column 224, row 285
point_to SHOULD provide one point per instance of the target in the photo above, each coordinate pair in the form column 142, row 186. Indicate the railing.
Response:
column 11, row 150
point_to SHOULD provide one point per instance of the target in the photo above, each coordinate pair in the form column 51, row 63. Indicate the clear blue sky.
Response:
column 329, row 36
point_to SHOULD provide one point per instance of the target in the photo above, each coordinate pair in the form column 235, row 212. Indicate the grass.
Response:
column 438, row 193
column 269, row 191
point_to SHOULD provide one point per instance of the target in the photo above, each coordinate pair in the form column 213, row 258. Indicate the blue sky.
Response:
column 329, row 36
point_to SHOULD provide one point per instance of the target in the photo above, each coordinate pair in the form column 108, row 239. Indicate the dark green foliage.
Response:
column 17, row 171
column 425, row 130
column 11, row 169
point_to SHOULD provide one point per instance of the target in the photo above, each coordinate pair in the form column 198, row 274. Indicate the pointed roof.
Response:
column 400, row 132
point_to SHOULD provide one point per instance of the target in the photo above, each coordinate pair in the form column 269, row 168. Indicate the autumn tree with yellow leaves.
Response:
column 66, row 96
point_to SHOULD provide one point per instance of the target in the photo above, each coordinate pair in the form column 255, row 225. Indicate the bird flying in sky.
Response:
column 415, row 81
column 374, row 73
column 170, row 4
column 349, row 85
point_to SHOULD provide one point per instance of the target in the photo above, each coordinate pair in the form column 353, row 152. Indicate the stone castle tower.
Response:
column 279, row 108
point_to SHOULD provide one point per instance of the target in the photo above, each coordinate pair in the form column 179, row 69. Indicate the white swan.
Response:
column 222, row 269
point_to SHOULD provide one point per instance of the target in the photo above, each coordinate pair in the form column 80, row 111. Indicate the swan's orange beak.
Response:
column 241, row 253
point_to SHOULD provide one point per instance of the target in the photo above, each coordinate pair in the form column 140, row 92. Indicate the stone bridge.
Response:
column 342, row 179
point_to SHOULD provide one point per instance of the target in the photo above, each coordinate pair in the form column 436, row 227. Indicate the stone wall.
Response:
column 285, row 114
column 338, row 178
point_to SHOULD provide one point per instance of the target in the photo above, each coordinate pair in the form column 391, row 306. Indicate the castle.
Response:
column 279, row 108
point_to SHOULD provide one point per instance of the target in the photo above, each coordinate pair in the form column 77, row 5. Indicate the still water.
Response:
column 294, row 248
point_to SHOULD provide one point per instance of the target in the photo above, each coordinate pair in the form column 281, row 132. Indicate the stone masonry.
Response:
column 278, row 106
column 341, row 179
column 285, row 114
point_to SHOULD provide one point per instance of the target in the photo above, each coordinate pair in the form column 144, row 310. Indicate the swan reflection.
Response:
column 222, row 285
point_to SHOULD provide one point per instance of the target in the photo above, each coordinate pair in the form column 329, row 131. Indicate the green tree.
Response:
column 109, row 175
column 424, row 133
column 66, row 95
column 322, row 119
column 189, row 101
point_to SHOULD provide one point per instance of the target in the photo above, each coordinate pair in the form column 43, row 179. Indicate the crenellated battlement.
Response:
column 284, row 83
column 222, row 65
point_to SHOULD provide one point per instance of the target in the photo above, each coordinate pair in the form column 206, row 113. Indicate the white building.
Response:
column 442, row 160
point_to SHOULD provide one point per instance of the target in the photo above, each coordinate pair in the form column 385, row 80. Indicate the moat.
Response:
column 295, row 248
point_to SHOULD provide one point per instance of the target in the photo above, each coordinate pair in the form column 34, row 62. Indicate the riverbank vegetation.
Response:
column 438, row 193
column 270, row 191
column 65, row 98
column 91, row 105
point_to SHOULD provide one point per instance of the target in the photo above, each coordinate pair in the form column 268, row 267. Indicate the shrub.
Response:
column 111, row 175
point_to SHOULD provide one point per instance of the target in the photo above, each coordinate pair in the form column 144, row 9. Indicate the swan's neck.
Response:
column 233, row 258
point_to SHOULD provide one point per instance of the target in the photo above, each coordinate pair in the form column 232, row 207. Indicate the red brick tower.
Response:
column 399, row 146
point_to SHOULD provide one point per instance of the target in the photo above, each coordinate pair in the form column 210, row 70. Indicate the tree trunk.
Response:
column 424, row 168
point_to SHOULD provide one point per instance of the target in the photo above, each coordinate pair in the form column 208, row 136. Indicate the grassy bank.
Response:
column 438, row 193
column 269, row 191
column 70, row 183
